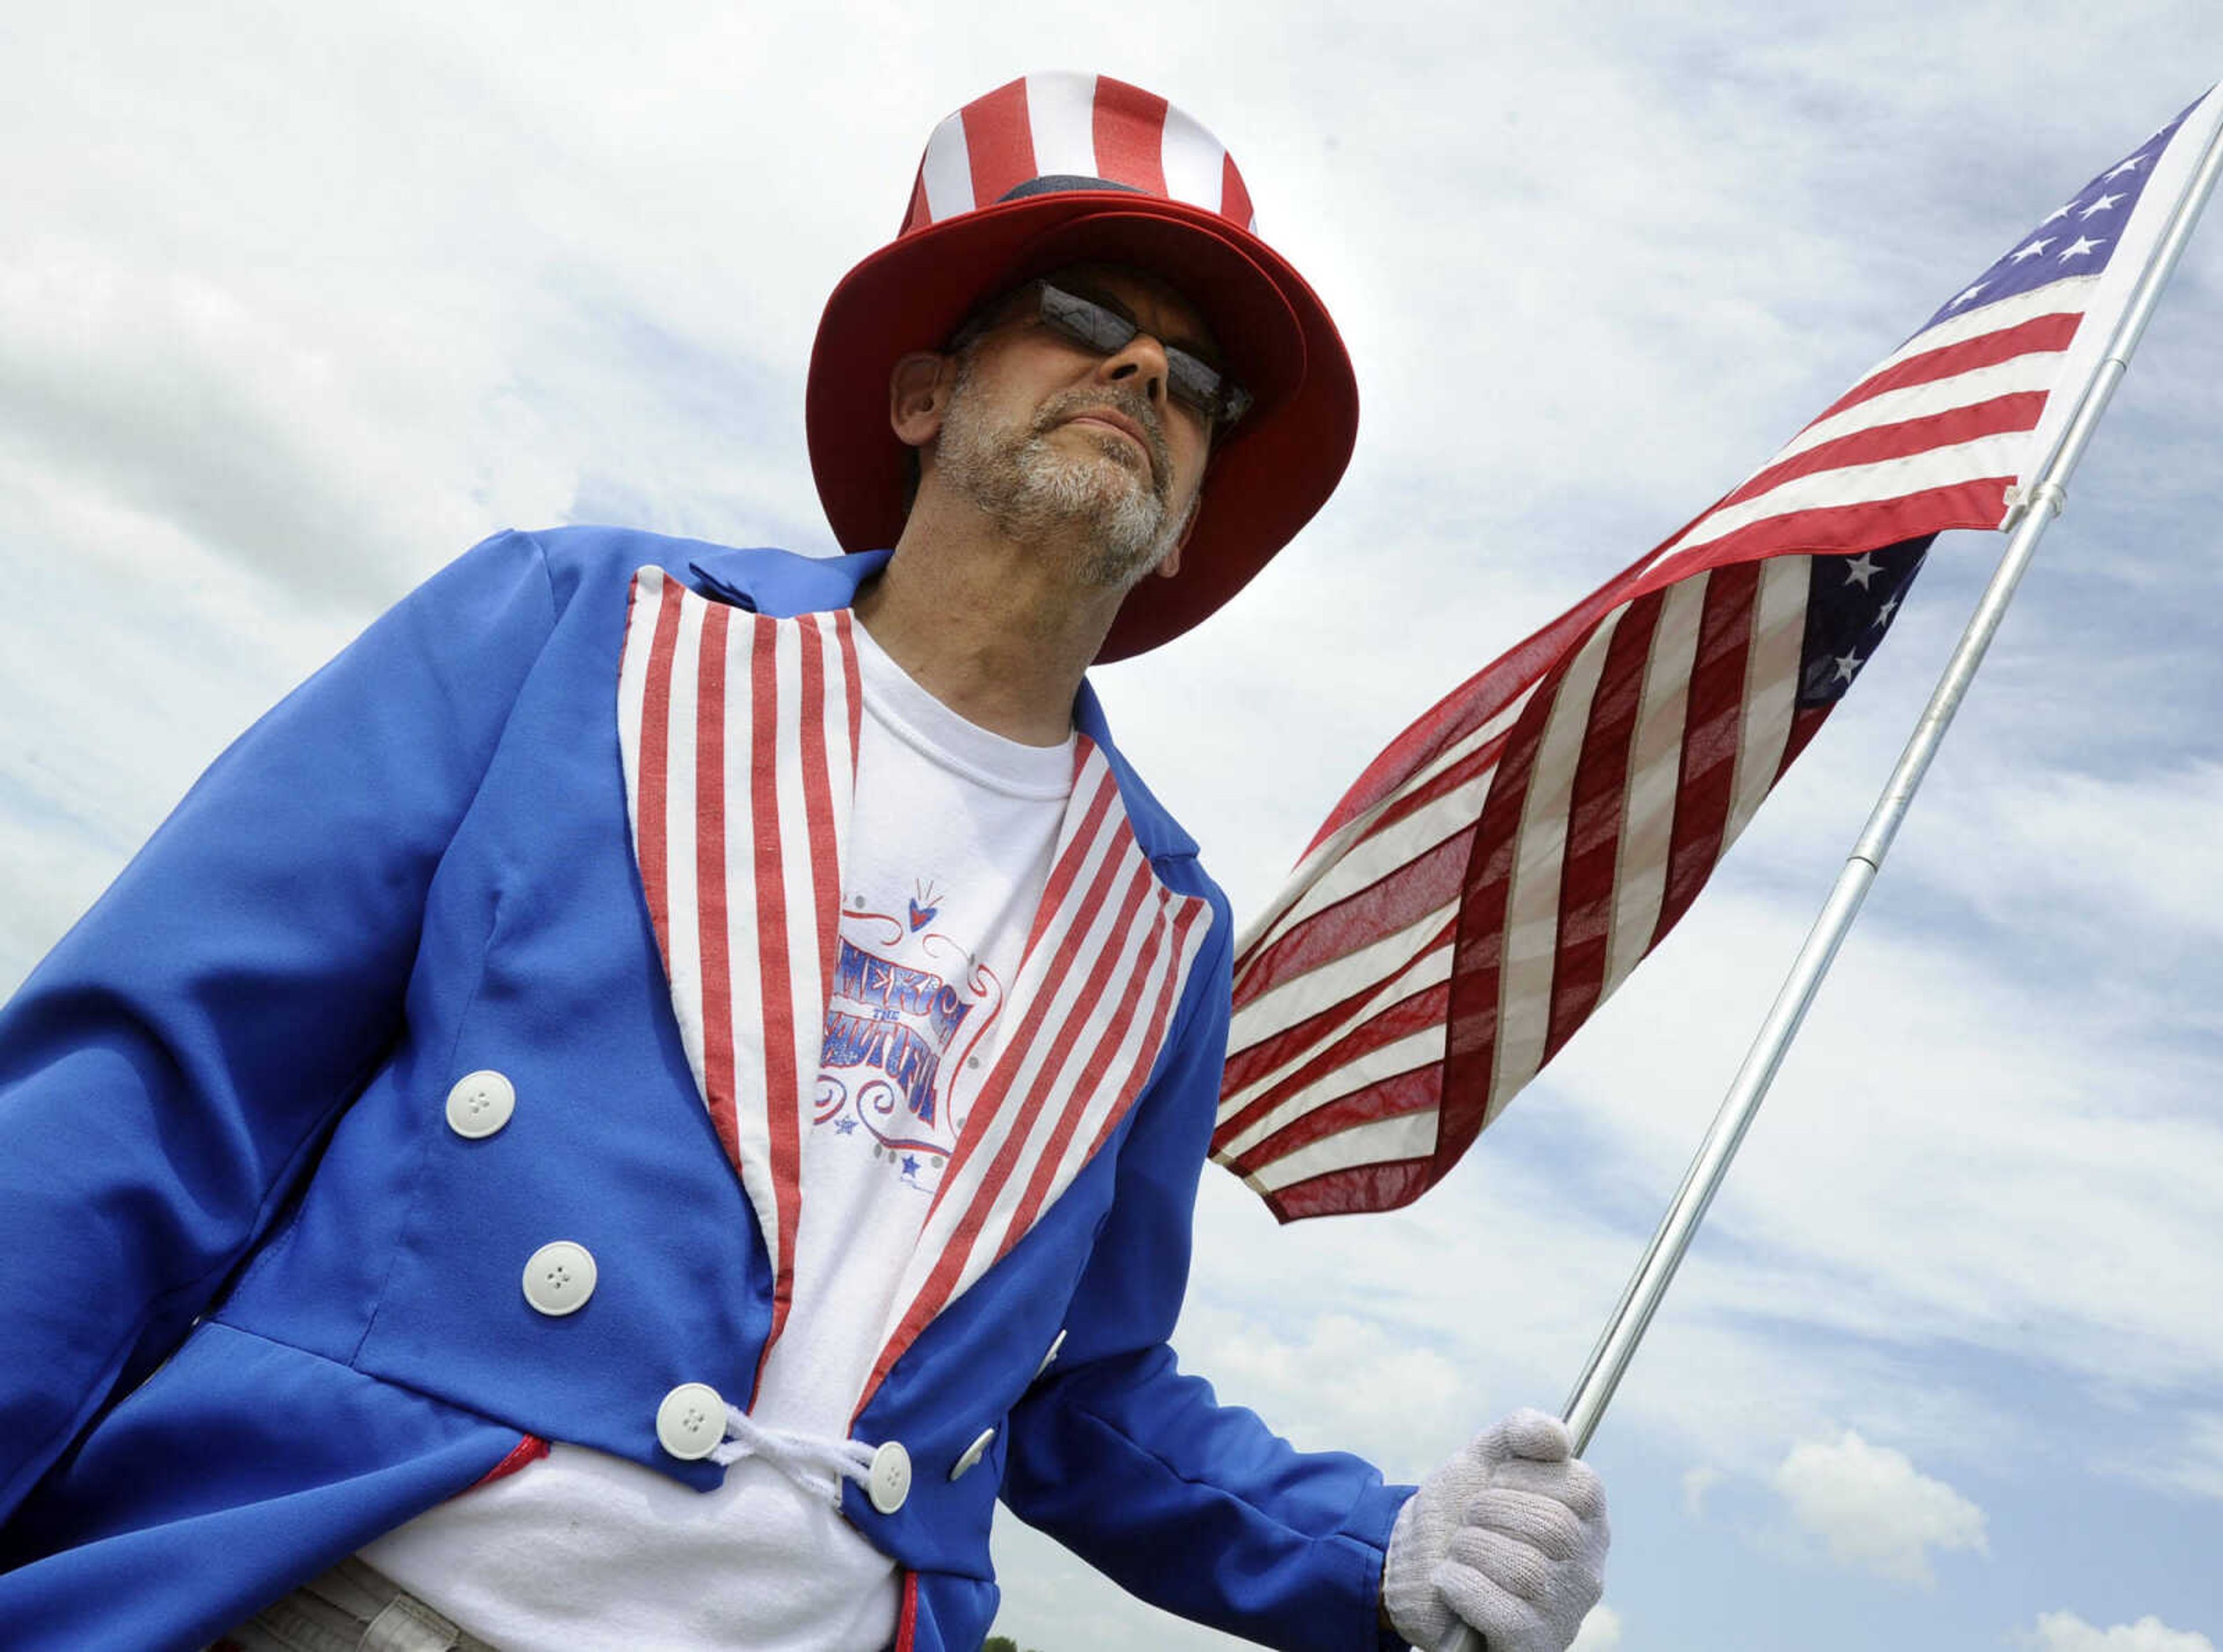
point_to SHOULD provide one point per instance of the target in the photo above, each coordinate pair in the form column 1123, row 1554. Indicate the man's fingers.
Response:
column 1536, row 1437
column 1518, row 1567
column 1504, row 1619
column 1572, row 1484
column 1541, row 1521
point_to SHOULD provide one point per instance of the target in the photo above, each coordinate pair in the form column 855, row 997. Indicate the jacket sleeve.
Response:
column 1195, row 1506
column 174, row 1062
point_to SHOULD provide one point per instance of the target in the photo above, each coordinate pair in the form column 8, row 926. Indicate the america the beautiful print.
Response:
column 909, row 1018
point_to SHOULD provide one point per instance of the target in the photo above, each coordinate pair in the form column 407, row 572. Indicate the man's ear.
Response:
column 1169, row 564
column 918, row 396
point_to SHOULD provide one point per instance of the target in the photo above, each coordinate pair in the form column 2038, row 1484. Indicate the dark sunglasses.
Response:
column 1195, row 383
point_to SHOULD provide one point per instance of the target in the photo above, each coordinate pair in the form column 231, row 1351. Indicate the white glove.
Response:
column 1509, row 1535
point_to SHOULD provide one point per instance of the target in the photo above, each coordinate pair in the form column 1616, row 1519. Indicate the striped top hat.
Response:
column 1062, row 168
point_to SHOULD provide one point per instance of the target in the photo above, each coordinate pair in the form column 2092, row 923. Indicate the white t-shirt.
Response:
column 950, row 848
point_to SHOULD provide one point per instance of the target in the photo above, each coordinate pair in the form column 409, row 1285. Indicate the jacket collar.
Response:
column 782, row 584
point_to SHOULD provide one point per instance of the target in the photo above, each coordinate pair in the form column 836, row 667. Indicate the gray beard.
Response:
column 1110, row 513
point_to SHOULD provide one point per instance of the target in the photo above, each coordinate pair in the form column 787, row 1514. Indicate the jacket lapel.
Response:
column 1108, row 954
column 739, row 734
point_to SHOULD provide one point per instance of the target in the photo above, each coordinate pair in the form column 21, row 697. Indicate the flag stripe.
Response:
column 1401, row 897
column 1364, row 853
column 1978, row 502
column 1405, row 1034
column 1998, row 416
column 1326, row 873
column 1531, row 945
column 1654, row 766
column 1709, row 737
column 2040, row 334
column 1771, row 687
column 2029, row 374
column 1412, row 1090
column 1381, row 1186
column 1877, row 483
column 1297, row 1058
column 1405, row 1135
column 1292, row 1013
column 1594, row 825
column 1477, row 964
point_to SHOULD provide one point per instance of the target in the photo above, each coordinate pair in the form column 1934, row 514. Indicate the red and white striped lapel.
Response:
column 740, row 738
column 1106, row 958
column 712, row 698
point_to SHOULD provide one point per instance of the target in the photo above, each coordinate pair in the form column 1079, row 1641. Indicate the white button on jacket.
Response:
column 559, row 1278
column 890, row 1483
column 691, row 1421
column 973, row 1454
column 481, row 1103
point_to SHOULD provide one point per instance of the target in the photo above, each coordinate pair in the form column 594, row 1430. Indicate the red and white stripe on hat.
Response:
column 1066, row 126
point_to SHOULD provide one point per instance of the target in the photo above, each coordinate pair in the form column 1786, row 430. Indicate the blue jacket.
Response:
column 260, row 1304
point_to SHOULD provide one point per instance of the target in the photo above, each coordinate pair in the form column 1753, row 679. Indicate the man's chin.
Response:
column 1121, row 449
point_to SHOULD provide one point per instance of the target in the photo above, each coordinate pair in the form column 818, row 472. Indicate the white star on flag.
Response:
column 1860, row 570
column 2100, row 205
column 2079, row 247
column 2036, row 247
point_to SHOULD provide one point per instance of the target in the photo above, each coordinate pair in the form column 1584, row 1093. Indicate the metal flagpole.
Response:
column 2036, row 509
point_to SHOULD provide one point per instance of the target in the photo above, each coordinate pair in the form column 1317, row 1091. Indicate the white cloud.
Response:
column 1601, row 1632
column 2190, row 1461
column 338, row 293
column 1696, row 1482
column 2064, row 1631
column 1876, row 1512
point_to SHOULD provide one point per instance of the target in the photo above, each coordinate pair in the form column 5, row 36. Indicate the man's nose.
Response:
column 1140, row 364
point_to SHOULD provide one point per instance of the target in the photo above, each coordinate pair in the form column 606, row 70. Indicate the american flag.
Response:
column 1498, row 872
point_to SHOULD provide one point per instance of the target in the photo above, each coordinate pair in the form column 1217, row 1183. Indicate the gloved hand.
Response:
column 1509, row 1535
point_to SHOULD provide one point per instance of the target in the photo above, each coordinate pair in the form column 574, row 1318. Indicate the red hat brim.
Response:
column 1265, row 481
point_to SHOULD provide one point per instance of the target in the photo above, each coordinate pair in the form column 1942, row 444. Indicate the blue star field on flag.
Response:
column 2076, row 238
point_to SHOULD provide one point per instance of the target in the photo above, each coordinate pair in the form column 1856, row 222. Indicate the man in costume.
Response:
column 637, row 1103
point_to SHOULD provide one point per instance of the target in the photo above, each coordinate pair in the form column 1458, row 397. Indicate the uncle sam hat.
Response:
column 1064, row 168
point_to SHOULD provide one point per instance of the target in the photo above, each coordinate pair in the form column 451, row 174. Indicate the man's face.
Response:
column 1054, row 440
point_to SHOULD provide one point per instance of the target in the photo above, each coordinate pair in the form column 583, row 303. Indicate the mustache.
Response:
column 1130, row 404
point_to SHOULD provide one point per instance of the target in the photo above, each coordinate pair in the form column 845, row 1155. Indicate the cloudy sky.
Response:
column 297, row 301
